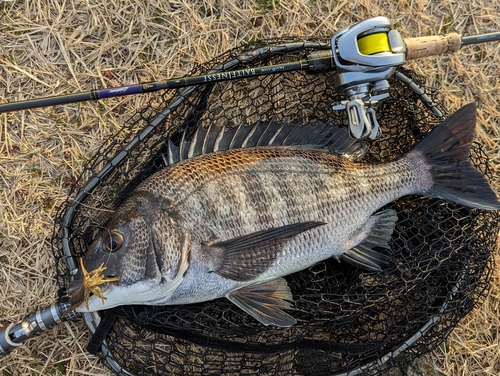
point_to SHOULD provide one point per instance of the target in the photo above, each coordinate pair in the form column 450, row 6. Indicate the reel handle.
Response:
column 432, row 45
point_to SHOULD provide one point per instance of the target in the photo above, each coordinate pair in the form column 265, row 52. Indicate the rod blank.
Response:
column 483, row 38
column 153, row 86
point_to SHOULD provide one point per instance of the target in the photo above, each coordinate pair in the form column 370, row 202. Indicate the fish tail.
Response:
column 446, row 151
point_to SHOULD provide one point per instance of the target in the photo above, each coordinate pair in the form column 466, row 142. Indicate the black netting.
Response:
column 347, row 320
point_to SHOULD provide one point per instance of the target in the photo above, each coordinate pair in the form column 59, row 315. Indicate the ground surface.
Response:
column 51, row 47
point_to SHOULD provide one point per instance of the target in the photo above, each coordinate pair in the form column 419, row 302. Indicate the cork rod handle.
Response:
column 433, row 45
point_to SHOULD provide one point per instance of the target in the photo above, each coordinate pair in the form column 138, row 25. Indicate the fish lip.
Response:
column 82, row 306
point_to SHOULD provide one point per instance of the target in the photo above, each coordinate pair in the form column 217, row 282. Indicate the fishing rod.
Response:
column 364, row 56
column 427, row 48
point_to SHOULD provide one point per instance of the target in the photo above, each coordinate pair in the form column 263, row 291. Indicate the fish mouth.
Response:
column 93, row 302
column 116, row 295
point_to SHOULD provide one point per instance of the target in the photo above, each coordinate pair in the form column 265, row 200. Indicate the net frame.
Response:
column 121, row 164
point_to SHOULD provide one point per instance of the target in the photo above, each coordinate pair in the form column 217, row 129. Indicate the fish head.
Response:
column 139, row 253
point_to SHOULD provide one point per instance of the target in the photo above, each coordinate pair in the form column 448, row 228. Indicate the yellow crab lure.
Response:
column 90, row 284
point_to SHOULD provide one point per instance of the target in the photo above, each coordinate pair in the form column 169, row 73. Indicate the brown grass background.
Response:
column 52, row 47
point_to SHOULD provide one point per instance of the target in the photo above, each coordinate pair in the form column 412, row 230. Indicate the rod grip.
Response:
column 433, row 45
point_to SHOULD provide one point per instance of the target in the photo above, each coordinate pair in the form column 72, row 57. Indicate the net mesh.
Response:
column 348, row 321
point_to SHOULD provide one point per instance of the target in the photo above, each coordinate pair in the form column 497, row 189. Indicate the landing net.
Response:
column 348, row 321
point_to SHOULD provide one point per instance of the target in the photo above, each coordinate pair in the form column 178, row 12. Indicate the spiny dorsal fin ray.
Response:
column 196, row 144
column 210, row 139
column 172, row 153
column 319, row 136
column 268, row 133
column 240, row 136
column 183, row 147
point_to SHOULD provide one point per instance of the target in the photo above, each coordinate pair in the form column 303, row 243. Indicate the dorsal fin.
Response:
column 322, row 136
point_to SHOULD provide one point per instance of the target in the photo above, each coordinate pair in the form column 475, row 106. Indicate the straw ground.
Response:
column 52, row 47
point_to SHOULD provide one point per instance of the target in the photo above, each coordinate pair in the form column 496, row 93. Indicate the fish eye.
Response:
column 114, row 242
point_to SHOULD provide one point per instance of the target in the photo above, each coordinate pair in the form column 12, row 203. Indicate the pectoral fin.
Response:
column 265, row 302
column 376, row 233
column 246, row 257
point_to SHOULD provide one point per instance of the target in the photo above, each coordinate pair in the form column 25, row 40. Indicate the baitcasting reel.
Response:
column 366, row 56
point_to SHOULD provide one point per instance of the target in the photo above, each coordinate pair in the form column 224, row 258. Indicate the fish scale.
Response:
column 312, row 192
column 309, row 189
column 231, row 223
column 316, row 194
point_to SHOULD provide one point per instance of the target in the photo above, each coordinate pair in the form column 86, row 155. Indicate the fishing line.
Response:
column 374, row 44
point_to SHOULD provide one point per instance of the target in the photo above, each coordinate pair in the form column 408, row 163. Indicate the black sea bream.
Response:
column 232, row 223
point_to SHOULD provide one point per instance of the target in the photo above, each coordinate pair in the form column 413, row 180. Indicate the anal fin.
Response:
column 265, row 302
column 378, row 229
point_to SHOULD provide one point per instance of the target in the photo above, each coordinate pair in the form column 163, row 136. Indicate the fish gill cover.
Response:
column 348, row 320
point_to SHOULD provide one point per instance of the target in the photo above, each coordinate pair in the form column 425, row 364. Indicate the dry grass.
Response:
column 50, row 47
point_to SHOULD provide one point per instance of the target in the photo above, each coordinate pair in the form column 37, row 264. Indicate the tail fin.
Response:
column 446, row 149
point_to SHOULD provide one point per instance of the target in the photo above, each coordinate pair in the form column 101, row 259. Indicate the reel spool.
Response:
column 375, row 43
column 349, row 321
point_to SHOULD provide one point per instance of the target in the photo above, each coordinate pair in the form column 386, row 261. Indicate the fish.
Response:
column 237, row 210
